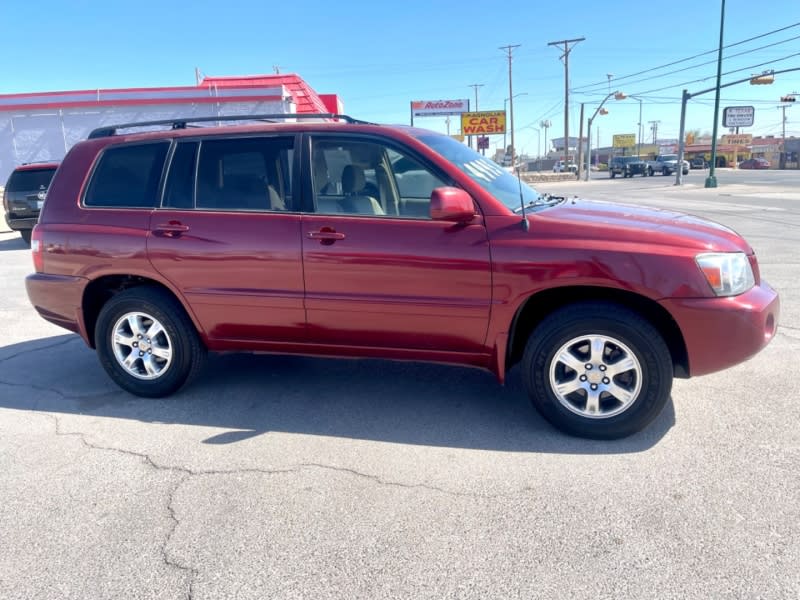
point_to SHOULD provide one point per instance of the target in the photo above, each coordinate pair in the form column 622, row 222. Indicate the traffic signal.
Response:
column 763, row 79
column 788, row 98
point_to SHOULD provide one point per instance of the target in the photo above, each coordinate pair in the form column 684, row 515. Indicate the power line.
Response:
column 750, row 68
column 664, row 66
column 710, row 62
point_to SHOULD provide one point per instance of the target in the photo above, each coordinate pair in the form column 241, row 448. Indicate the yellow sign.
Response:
column 744, row 139
column 624, row 140
column 490, row 121
column 457, row 137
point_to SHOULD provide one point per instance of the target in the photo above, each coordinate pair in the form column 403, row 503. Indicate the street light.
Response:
column 505, row 101
column 640, row 131
column 599, row 110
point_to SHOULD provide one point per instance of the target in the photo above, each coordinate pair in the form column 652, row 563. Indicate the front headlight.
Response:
column 728, row 273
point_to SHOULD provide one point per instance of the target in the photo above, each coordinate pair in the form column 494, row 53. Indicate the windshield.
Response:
column 630, row 159
column 489, row 175
column 669, row 157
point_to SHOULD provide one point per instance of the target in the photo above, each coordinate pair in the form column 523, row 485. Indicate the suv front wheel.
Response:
column 597, row 370
column 146, row 342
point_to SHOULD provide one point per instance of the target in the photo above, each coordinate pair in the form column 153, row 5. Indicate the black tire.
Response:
column 619, row 331
column 150, row 305
column 26, row 235
column 665, row 171
column 611, row 174
column 650, row 171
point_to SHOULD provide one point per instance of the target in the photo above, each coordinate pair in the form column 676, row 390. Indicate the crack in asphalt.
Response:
column 31, row 350
column 185, row 474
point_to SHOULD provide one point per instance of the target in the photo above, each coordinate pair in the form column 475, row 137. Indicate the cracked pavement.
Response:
column 294, row 477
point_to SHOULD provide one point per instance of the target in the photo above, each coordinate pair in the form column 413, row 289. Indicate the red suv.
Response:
column 330, row 236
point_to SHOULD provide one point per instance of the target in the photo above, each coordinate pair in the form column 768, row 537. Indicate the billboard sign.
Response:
column 489, row 121
column 623, row 140
column 738, row 116
column 428, row 108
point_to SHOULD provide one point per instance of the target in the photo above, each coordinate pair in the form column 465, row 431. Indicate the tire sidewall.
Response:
column 633, row 331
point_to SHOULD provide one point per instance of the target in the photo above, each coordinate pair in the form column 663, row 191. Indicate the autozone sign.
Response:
column 489, row 121
column 738, row 116
column 424, row 108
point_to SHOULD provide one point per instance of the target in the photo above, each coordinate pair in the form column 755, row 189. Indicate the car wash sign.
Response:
column 482, row 123
column 428, row 108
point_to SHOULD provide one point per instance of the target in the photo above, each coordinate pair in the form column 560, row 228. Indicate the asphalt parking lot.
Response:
column 293, row 477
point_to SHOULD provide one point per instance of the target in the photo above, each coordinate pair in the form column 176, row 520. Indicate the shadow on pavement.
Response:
column 15, row 242
column 248, row 394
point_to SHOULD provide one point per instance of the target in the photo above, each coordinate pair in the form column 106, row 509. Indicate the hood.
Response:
column 586, row 220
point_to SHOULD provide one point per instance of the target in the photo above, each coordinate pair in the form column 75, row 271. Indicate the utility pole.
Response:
column 565, row 57
column 711, row 180
column 580, row 146
column 475, row 86
column 510, row 50
column 654, row 129
column 782, row 161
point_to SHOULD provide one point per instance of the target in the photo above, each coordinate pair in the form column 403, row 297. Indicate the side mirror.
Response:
column 452, row 204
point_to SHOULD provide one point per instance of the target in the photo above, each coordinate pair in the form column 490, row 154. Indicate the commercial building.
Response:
column 44, row 126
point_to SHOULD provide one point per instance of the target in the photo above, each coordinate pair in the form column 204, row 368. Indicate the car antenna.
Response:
column 525, row 224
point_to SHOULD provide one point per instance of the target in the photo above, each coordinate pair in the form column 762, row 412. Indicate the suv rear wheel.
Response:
column 597, row 370
column 146, row 342
column 26, row 235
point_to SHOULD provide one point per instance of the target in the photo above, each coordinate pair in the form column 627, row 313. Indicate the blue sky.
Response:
column 378, row 56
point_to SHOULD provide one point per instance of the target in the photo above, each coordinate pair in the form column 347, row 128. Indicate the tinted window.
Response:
column 179, row 192
column 245, row 174
column 30, row 180
column 128, row 176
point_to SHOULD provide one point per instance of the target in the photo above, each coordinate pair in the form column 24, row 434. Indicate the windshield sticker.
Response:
column 484, row 169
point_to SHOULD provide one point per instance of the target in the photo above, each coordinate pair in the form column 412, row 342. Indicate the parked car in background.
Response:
column 754, row 163
column 24, row 196
column 562, row 167
column 627, row 166
column 698, row 162
column 666, row 164
column 352, row 239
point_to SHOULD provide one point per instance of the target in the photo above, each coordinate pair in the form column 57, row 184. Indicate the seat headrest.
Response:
column 353, row 179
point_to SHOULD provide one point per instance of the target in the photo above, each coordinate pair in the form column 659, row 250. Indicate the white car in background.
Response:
column 561, row 167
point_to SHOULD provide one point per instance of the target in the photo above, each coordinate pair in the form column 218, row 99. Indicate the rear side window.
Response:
column 128, row 176
column 30, row 180
column 245, row 174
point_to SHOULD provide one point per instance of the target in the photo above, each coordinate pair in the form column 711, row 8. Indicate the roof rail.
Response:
column 181, row 123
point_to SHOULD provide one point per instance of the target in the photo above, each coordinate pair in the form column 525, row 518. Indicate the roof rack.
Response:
column 111, row 130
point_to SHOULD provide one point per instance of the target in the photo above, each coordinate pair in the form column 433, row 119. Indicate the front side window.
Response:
column 127, row 176
column 359, row 177
column 245, row 174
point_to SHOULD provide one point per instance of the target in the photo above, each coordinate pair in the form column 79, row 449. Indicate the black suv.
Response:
column 24, row 195
column 627, row 166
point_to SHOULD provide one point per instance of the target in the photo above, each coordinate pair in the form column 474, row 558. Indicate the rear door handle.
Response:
column 171, row 229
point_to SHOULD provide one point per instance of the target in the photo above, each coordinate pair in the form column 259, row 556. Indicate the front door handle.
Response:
column 326, row 235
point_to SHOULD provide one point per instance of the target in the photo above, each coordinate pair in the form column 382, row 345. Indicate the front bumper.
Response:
column 59, row 299
column 722, row 332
